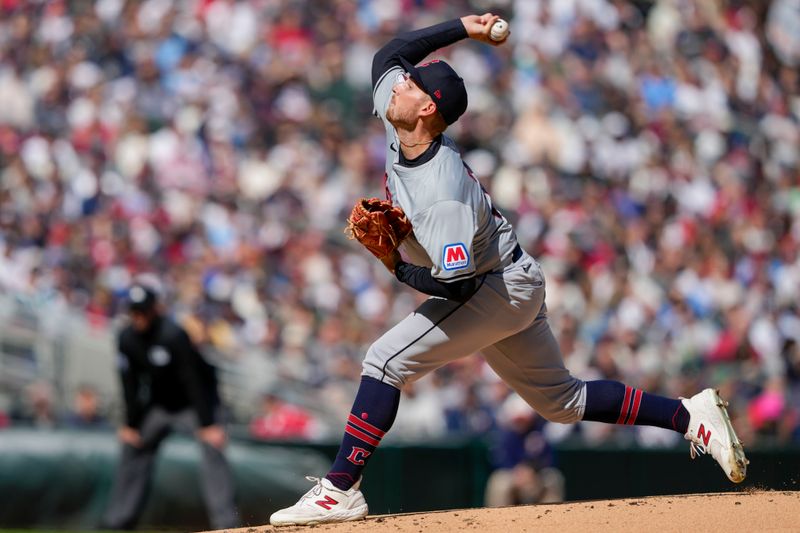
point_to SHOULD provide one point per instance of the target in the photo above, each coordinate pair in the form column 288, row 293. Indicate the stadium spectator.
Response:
column 524, row 469
column 86, row 412
column 282, row 420
column 36, row 408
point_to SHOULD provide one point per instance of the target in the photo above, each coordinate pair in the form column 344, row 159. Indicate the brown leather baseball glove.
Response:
column 378, row 225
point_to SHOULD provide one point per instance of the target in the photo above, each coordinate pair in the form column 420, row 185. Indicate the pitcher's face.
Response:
column 406, row 102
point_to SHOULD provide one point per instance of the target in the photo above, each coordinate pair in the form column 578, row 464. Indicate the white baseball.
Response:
column 499, row 30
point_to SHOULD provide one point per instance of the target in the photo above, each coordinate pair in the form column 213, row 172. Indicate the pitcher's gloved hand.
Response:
column 378, row 225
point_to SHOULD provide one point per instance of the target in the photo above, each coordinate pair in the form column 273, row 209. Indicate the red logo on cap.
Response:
column 437, row 93
column 429, row 62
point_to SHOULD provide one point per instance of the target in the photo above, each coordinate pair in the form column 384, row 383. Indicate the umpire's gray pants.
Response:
column 135, row 470
column 506, row 320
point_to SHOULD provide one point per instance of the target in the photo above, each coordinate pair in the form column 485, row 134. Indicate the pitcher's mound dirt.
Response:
column 728, row 512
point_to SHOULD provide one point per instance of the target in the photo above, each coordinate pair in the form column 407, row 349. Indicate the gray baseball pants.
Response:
column 135, row 471
column 506, row 320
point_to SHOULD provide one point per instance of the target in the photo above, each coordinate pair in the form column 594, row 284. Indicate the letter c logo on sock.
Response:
column 357, row 455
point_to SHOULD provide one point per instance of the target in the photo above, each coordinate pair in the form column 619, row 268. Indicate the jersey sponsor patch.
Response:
column 455, row 256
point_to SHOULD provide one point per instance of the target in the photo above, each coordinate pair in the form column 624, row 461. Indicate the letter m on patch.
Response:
column 455, row 256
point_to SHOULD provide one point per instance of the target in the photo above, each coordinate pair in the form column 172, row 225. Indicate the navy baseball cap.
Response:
column 141, row 299
column 443, row 85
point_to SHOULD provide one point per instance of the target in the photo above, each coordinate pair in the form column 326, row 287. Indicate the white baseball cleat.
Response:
column 710, row 430
column 322, row 504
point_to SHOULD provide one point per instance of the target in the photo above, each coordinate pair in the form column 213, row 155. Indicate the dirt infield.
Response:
column 727, row 512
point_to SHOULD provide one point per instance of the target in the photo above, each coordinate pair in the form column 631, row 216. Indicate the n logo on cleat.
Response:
column 326, row 503
column 703, row 434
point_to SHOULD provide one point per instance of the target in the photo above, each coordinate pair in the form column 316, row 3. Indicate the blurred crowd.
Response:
column 647, row 152
column 38, row 408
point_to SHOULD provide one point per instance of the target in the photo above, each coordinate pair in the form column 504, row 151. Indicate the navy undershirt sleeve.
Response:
column 415, row 45
column 420, row 278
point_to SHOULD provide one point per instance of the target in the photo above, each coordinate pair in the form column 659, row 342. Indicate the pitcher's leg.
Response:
column 530, row 362
column 437, row 332
column 616, row 403
column 702, row 419
column 373, row 413
column 336, row 497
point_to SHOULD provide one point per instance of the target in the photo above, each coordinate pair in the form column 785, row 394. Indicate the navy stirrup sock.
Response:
column 615, row 403
column 370, row 418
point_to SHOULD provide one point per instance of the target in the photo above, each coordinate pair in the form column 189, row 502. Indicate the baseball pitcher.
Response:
column 486, row 293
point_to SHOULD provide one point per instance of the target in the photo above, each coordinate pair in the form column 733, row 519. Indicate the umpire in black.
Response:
column 167, row 386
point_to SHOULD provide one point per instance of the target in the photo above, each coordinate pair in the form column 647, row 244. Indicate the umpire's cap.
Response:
column 443, row 85
column 141, row 299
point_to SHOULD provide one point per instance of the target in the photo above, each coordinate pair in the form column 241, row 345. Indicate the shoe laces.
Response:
column 317, row 489
column 696, row 448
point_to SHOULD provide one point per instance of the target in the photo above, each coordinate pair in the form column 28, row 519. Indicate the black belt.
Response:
column 516, row 254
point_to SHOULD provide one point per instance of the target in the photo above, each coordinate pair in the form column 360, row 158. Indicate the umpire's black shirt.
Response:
column 161, row 367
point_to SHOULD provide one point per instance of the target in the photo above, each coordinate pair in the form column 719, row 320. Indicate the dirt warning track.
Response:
column 751, row 511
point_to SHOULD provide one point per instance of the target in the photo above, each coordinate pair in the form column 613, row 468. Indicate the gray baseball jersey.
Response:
column 457, row 231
